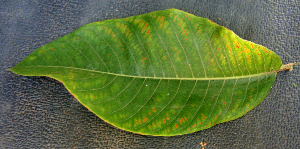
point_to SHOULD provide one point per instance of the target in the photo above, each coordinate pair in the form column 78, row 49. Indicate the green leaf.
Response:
column 163, row 73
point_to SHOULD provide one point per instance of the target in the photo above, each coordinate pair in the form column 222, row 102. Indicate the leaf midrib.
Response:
column 160, row 78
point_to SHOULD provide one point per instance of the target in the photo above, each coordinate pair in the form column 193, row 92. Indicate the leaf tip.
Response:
column 10, row 69
column 14, row 70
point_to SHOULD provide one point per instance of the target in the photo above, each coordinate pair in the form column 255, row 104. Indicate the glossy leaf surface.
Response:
column 164, row 73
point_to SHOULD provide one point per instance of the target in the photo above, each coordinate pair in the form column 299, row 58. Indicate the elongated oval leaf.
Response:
column 164, row 73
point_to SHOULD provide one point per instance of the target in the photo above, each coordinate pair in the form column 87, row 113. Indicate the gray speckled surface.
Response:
column 38, row 112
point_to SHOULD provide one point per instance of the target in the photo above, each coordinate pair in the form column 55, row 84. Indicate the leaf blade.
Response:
column 158, row 73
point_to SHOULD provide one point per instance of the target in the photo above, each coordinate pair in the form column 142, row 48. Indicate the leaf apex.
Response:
column 12, row 69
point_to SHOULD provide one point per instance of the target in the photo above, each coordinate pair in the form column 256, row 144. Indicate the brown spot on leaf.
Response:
column 153, row 109
column 145, row 119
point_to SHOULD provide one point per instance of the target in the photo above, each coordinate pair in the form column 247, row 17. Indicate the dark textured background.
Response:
column 38, row 112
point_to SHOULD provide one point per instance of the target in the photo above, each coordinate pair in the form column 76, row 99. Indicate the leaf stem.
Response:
column 288, row 67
